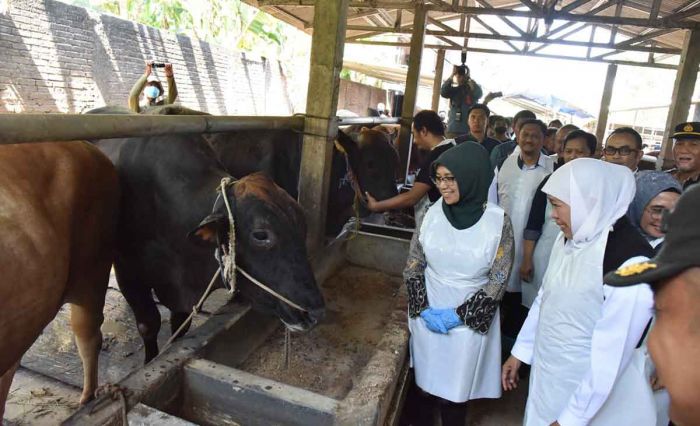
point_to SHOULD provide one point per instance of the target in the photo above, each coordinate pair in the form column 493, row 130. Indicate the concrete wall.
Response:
column 60, row 58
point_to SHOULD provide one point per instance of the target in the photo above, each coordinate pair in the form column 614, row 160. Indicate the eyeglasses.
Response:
column 449, row 180
column 656, row 212
column 623, row 151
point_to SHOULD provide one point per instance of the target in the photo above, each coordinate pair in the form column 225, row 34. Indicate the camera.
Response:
column 157, row 65
column 463, row 69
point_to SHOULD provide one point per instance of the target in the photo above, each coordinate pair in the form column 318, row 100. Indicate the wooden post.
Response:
column 605, row 104
column 320, row 125
column 412, row 79
column 437, row 83
column 682, row 93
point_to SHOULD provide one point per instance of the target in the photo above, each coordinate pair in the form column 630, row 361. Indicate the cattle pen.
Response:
column 211, row 376
column 231, row 369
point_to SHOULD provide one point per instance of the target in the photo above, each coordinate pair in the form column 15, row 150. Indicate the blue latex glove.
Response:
column 449, row 318
column 433, row 321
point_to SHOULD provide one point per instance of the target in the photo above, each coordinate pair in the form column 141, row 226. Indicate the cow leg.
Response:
column 176, row 320
column 86, row 321
column 5, row 382
column 145, row 311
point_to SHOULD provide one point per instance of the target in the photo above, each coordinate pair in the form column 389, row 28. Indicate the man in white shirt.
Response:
column 517, row 181
column 674, row 275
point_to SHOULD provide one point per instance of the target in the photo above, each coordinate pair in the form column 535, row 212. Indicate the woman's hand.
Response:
column 372, row 203
column 168, row 70
column 656, row 383
column 149, row 69
column 526, row 269
column 509, row 373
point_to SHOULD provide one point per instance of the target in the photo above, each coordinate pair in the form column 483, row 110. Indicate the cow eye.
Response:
column 263, row 238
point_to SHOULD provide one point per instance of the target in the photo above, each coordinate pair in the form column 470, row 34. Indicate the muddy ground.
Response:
column 328, row 358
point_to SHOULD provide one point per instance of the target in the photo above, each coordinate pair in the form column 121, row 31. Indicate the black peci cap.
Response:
column 689, row 130
column 681, row 249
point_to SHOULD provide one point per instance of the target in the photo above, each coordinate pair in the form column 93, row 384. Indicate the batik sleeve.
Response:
column 414, row 277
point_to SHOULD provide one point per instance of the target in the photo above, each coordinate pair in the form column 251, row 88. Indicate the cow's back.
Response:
column 58, row 205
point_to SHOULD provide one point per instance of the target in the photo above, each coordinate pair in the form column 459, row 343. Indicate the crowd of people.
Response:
column 525, row 253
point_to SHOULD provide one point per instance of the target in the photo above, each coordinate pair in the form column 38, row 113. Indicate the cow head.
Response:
column 373, row 161
column 270, row 246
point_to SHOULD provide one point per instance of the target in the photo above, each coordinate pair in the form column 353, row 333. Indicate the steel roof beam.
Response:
column 540, row 55
column 525, row 39
column 665, row 22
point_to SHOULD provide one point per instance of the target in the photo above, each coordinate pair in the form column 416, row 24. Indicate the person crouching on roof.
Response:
column 152, row 89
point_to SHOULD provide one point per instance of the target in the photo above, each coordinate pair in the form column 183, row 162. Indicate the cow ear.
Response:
column 206, row 233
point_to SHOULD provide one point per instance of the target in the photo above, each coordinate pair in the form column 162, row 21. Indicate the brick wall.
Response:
column 60, row 58
column 358, row 97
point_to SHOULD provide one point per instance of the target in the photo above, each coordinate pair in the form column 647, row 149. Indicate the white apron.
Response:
column 516, row 189
column 540, row 259
column 463, row 364
column 571, row 305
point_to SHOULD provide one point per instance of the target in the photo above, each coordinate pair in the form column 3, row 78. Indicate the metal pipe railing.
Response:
column 364, row 121
column 24, row 128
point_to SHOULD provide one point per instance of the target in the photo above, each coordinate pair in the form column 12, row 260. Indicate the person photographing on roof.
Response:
column 152, row 88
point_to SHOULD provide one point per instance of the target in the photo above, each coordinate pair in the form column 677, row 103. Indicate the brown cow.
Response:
column 58, row 211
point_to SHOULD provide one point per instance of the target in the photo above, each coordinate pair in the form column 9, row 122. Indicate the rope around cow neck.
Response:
column 228, row 258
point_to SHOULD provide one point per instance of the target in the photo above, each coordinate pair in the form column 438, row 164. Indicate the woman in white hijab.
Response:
column 580, row 335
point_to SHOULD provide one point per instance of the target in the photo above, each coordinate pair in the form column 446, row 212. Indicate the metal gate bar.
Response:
column 24, row 128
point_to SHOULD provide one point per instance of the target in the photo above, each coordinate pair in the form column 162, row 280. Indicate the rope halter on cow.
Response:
column 226, row 257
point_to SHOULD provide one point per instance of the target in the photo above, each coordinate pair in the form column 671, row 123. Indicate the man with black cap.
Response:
column 686, row 153
column 674, row 275
column 478, row 120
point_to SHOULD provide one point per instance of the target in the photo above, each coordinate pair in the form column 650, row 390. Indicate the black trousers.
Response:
column 420, row 409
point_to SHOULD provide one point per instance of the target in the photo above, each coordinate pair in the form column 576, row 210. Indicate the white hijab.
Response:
column 598, row 193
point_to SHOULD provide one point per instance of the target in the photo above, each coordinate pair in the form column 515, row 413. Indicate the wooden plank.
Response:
column 605, row 103
column 320, row 126
column 412, row 80
column 682, row 92
column 439, row 69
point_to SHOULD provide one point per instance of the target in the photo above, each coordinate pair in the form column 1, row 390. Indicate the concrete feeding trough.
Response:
column 350, row 369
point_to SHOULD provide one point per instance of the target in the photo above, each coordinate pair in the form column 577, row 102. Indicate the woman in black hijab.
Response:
column 456, row 274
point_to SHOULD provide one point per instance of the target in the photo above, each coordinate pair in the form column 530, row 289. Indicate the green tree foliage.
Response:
column 230, row 23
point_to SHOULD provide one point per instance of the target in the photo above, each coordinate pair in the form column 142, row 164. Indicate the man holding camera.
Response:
column 152, row 88
column 462, row 96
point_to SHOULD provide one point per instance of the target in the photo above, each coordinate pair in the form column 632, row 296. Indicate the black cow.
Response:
column 372, row 159
column 169, row 191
